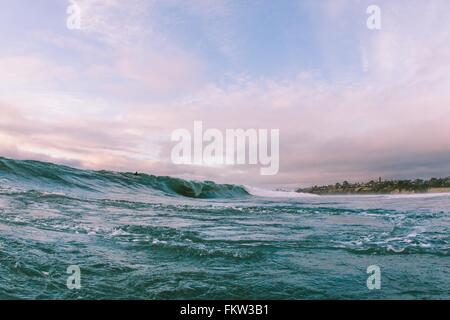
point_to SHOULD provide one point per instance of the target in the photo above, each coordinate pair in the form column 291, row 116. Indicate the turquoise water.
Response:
column 145, row 237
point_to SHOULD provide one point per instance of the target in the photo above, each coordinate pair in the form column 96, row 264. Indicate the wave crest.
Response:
column 38, row 175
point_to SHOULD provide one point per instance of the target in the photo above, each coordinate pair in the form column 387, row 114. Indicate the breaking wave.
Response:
column 47, row 176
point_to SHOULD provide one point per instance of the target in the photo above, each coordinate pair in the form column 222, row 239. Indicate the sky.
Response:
column 350, row 103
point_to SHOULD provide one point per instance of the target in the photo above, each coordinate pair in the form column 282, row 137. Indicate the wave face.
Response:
column 51, row 177
column 147, row 237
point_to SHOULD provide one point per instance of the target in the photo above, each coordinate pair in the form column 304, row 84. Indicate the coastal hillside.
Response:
column 437, row 185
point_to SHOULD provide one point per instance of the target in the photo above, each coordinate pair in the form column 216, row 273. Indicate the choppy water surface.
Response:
column 144, row 237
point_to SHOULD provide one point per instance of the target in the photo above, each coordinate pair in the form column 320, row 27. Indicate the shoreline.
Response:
column 382, row 187
column 436, row 191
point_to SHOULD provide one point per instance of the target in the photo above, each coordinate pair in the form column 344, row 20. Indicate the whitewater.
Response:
column 150, row 237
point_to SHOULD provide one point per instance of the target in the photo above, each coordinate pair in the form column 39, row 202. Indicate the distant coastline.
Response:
column 433, row 185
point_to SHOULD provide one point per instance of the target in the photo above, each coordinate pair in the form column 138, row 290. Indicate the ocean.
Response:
column 148, row 237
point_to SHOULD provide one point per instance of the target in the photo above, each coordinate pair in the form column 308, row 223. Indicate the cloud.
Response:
column 31, row 69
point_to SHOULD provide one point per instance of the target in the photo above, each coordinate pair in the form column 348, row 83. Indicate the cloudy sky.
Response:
column 350, row 103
